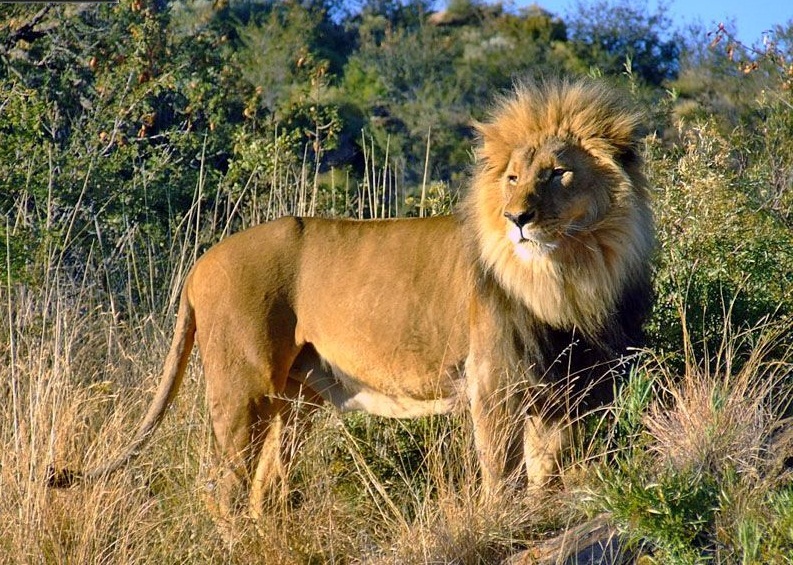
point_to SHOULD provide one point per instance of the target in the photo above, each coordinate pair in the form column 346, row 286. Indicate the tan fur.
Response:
column 384, row 316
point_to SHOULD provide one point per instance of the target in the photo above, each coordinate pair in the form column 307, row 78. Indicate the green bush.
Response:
column 726, row 251
column 691, row 464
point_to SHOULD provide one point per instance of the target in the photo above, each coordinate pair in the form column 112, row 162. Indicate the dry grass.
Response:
column 72, row 375
column 727, row 410
column 77, row 379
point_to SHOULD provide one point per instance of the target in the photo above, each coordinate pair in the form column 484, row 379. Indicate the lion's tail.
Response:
column 173, row 372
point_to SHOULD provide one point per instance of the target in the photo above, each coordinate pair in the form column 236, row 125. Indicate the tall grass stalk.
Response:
column 423, row 203
column 380, row 192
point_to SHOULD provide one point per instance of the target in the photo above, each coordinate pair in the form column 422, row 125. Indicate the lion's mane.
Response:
column 598, row 282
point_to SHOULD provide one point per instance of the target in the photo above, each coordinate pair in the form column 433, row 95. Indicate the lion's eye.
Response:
column 562, row 176
column 512, row 179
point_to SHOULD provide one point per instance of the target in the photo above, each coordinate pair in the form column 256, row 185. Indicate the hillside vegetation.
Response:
column 135, row 135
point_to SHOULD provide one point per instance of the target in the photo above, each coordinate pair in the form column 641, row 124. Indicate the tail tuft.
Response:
column 62, row 478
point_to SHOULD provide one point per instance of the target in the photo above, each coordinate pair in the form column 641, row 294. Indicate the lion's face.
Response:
column 549, row 195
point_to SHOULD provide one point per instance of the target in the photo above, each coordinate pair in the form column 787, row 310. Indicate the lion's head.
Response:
column 559, row 203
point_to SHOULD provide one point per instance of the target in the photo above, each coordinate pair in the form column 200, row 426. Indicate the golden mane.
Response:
column 578, row 284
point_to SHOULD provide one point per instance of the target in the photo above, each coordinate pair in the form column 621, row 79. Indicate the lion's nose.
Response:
column 521, row 218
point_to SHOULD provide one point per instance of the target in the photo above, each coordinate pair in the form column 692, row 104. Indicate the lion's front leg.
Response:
column 543, row 442
column 496, row 396
column 518, row 431
column 496, row 405
column 510, row 436
column 498, row 426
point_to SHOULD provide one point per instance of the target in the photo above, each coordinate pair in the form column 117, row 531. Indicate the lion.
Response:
column 540, row 280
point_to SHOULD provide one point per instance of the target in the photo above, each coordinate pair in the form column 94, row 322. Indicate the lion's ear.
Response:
column 485, row 132
column 629, row 156
column 489, row 145
column 629, row 147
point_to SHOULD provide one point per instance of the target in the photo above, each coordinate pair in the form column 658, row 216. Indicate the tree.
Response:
column 606, row 35
column 107, row 122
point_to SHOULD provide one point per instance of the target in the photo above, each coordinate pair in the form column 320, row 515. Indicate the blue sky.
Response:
column 749, row 17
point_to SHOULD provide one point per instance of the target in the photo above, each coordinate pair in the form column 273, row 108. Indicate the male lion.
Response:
column 540, row 282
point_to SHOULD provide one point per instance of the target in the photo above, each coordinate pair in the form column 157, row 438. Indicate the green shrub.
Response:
column 724, row 252
column 694, row 471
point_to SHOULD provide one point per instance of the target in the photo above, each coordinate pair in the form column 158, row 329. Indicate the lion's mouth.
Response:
column 531, row 234
column 531, row 241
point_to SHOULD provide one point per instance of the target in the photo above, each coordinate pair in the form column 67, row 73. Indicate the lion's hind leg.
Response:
column 286, row 423
column 237, row 431
column 245, row 401
column 255, row 433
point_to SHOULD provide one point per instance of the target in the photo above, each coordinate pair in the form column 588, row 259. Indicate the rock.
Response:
column 595, row 542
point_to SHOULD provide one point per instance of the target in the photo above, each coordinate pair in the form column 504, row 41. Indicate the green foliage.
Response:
column 725, row 249
column 761, row 529
column 690, row 472
column 395, row 455
column 671, row 511
column 123, row 111
column 632, row 400
column 438, row 201
column 280, row 40
column 608, row 34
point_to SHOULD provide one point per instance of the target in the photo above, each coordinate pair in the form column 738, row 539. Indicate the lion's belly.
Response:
column 390, row 327
column 380, row 392
column 384, row 371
